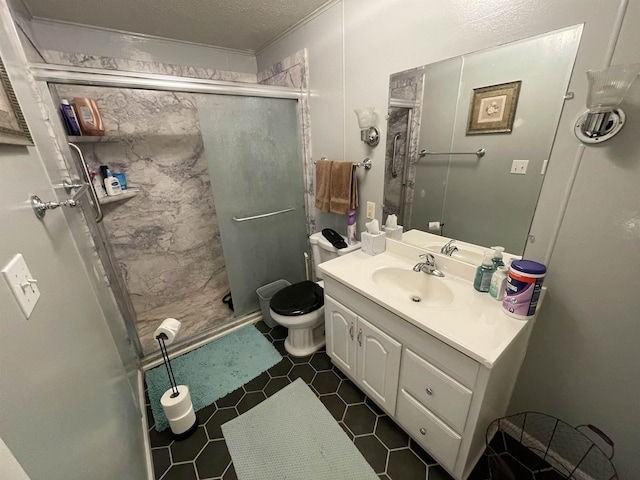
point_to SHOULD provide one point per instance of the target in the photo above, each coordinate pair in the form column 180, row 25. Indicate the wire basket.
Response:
column 534, row 442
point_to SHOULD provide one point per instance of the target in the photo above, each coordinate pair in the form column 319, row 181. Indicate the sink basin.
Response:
column 463, row 253
column 415, row 287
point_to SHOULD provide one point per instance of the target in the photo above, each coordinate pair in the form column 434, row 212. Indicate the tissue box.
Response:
column 394, row 233
column 373, row 244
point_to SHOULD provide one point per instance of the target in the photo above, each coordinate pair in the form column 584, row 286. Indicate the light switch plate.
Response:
column 519, row 167
column 21, row 284
column 371, row 210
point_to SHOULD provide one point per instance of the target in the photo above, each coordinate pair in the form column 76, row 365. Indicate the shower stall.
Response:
column 215, row 203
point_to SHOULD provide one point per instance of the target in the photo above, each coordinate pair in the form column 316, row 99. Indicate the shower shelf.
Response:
column 130, row 193
column 94, row 139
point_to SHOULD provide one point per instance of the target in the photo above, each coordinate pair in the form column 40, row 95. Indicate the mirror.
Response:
column 506, row 100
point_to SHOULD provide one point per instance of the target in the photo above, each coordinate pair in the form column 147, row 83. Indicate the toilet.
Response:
column 300, row 307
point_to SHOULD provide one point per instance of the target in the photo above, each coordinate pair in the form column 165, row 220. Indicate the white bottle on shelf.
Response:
column 112, row 186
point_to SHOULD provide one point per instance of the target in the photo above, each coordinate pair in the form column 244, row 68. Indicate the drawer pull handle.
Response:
column 360, row 337
column 429, row 391
column 351, row 331
column 423, row 431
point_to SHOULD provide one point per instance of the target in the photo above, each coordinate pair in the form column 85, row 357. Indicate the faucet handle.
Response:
column 428, row 258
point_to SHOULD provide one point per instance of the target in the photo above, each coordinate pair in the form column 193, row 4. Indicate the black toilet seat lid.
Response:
column 298, row 299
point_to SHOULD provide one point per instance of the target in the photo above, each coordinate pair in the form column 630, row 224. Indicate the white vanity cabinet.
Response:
column 441, row 397
column 364, row 352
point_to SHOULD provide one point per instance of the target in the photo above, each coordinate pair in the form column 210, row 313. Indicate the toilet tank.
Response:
column 323, row 251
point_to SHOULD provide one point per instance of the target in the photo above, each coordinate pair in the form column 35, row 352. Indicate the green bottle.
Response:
column 497, row 257
column 482, row 281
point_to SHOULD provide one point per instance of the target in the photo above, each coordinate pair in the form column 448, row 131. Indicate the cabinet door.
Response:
column 340, row 326
column 378, row 364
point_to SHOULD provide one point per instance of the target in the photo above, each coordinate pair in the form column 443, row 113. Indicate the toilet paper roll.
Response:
column 434, row 225
column 170, row 327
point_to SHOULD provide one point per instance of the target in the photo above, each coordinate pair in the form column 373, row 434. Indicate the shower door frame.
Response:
column 47, row 74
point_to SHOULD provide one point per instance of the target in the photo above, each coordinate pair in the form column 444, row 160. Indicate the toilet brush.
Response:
column 176, row 402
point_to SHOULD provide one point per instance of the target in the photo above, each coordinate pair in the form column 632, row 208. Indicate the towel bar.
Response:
column 478, row 153
column 270, row 214
column 366, row 163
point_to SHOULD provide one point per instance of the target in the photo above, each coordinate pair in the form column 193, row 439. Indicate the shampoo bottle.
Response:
column 98, row 185
column 89, row 116
column 70, row 119
column 484, row 272
column 351, row 227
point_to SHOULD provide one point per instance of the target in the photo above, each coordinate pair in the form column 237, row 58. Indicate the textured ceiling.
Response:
column 237, row 24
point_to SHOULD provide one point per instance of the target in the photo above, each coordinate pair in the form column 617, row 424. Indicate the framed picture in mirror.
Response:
column 493, row 108
column 13, row 127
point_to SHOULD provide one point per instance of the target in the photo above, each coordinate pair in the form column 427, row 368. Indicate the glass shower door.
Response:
column 253, row 151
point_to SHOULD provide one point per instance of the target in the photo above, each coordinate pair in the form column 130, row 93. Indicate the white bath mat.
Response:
column 292, row 436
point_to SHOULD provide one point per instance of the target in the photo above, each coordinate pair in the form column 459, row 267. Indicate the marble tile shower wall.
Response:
column 123, row 64
column 166, row 239
column 408, row 87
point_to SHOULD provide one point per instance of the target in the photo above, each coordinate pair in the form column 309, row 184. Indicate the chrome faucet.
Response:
column 449, row 248
column 428, row 266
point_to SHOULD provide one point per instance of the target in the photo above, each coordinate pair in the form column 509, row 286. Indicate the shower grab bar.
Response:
column 394, row 172
column 264, row 215
column 479, row 153
column 87, row 178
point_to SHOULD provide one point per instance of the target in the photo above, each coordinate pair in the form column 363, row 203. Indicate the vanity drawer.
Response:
column 456, row 364
column 433, row 435
column 435, row 389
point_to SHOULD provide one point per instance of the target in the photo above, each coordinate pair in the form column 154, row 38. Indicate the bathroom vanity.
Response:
column 440, row 358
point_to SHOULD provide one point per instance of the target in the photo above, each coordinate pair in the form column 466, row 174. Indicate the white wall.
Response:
column 322, row 37
column 67, row 406
column 582, row 365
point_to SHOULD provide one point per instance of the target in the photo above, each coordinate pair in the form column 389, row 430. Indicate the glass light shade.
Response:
column 607, row 87
column 365, row 117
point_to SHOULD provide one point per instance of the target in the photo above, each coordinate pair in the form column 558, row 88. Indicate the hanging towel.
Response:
column 323, row 183
column 344, row 188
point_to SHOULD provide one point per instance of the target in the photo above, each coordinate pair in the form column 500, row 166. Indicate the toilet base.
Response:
column 302, row 342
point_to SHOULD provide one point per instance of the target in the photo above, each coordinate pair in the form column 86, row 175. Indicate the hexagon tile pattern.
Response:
column 387, row 448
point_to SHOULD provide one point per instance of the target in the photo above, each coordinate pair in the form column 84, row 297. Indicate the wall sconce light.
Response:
column 607, row 88
column 369, row 134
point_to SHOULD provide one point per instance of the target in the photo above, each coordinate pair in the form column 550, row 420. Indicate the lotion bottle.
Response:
column 498, row 287
column 351, row 227
column 112, row 185
column 484, row 272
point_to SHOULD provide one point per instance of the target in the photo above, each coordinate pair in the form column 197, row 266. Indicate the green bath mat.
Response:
column 291, row 435
column 213, row 370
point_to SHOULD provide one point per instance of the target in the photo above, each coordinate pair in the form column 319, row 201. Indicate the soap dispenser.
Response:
column 484, row 272
column 497, row 257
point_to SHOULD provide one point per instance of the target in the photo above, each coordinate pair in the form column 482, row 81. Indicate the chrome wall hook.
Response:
column 40, row 208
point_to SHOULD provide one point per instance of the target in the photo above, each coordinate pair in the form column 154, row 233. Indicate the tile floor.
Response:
column 389, row 451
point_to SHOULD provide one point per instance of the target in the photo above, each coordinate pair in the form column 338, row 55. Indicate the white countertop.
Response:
column 475, row 324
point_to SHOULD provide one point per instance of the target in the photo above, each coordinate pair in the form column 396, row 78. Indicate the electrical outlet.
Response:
column 22, row 284
column 371, row 210
column 519, row 167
